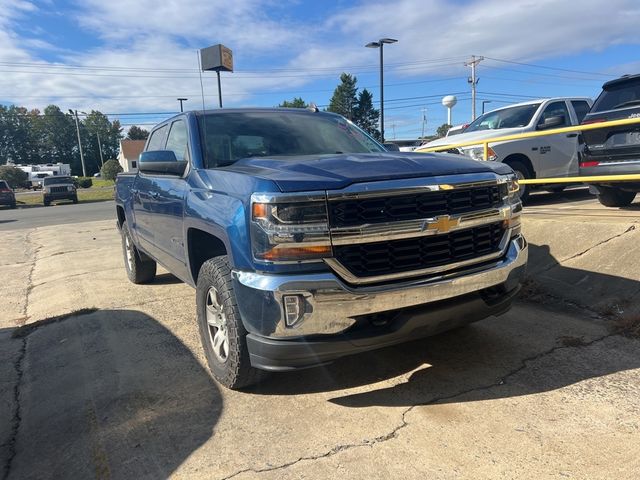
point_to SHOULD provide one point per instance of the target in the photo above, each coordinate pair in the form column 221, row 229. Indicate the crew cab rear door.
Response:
column 558, row 153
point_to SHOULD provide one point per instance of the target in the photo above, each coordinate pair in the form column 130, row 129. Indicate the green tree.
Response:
column 137, row 133
column 365, row 116
column 97, row 124
column 18, row 144
column 57, row 139
column 110, row 169
column 297, row 102
column 344, row 99
column 442, row 130
column 13, row 175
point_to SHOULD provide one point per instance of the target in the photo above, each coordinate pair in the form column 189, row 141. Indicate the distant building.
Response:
column 130, row 150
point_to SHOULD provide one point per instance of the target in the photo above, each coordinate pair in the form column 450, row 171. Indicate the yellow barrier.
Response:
column 544, row 133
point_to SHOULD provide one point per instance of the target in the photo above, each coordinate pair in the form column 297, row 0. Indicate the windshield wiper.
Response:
column 626, row 104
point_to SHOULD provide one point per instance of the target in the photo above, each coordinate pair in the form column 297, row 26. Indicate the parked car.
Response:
column 7, row 197
column 540, row 157
column 614, row 150
column 58, row 188
column 307, row 241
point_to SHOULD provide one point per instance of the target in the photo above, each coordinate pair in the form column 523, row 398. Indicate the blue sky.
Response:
column 136, row 57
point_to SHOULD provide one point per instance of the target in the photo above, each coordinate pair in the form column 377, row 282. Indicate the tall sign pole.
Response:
column 84, row 170
column 217, row 58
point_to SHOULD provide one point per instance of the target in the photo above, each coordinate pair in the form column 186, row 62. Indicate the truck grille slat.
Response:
column 351, row 212
column 395, row 256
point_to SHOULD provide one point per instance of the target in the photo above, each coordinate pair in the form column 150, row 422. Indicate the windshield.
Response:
column 57, row 180
column 512, row 117
column 229, row 137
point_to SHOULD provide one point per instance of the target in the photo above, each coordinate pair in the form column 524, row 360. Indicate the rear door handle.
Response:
column 154, row 194
column 134, row 191
column 572, row 135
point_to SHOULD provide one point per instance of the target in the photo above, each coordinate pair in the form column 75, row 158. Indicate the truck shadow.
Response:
column 109, row 394
column 476, row 359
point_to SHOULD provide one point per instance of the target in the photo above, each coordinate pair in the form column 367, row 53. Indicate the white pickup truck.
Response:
column 539, row 157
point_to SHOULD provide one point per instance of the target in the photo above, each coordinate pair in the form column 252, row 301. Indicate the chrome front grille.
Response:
column 381, row 233
column 58, row 189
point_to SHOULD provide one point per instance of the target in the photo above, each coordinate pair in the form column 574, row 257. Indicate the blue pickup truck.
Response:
column 307, row 241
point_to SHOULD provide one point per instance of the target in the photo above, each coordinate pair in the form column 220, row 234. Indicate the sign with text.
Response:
column 217, row 58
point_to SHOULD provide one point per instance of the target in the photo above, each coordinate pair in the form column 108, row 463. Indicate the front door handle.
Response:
column 572, row 135
column 154, row 194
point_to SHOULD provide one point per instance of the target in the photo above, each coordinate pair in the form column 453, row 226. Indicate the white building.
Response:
column 130, row 151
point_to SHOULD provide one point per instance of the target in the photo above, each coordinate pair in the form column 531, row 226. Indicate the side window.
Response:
column 177, row 140
column 556, row 109
column 156, row 142
column 581, row 107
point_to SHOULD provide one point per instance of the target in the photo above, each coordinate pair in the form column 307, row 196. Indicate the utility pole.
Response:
column 182, row 100
column 84, row 170
column 100, row 149
column 424, row 120
column 473, row 81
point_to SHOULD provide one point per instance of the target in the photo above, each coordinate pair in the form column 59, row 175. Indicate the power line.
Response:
column 546, row 67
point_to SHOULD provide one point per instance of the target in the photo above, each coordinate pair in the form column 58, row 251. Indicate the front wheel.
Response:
column 140, row 268
column 75, row 199
column 221, row 330
column 614, row 197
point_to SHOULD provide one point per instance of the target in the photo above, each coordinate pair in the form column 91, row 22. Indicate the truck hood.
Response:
column 330, row 172
column 472, row 136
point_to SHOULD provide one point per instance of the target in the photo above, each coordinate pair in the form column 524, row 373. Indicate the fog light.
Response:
column 293, row 309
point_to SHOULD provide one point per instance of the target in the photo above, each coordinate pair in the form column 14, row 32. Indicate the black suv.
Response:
column 614, row 150
column 7, row 197
column 58, row 188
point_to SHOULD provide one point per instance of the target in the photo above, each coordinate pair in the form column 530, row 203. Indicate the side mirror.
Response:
column 391, row 147
column 551, row 122
column 161, row 162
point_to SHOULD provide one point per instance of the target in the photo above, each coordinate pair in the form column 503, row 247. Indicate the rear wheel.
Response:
column 223, row 335
column 522, row 172
column 46, row 202
column 614, row 197
column 13, row 205
column 140, row 268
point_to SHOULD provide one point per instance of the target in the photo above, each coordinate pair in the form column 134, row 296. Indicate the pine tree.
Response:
column 344, row 100
column 297, row 102
column 365, row 116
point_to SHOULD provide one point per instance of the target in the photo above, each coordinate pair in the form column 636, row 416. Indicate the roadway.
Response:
column 40, row 216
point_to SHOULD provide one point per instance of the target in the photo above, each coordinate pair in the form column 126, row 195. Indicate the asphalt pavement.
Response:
column 40, row 216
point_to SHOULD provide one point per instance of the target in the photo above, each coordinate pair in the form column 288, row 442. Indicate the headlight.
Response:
column 291, row 230
column 512, row 196
column 477, row 153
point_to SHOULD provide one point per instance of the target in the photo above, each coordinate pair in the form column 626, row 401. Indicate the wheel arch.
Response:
column 520, row 157
column 202, row 246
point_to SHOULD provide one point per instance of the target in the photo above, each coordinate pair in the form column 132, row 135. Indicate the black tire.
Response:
column 75, row 199
column 522, row 171
column 614, row 197
column 140, row 268
column 215, row 289
column 12, row 206
column 46, row 202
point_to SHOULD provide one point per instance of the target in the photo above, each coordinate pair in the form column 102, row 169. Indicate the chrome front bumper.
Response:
column 331, row 304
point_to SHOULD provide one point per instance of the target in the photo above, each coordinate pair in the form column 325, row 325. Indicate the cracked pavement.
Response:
column 121, row 389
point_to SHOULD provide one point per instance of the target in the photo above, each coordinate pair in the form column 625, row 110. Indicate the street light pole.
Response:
column 380, row 44
column 483, row 102
column 182, row 100
column 84, row 170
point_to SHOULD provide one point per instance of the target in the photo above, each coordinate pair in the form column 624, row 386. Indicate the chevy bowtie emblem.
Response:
column 443, row 224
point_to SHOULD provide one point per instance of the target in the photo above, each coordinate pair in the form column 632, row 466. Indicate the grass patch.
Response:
column 99, row 182
column 93, row 194
column 25, row 330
